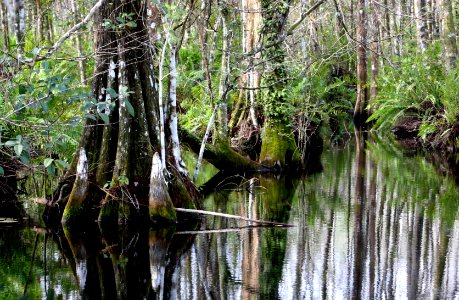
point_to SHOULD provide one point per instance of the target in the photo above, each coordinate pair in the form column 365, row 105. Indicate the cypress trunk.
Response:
column 114, row 160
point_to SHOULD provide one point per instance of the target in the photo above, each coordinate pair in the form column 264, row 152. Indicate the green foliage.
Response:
column 123, row 180
column 276, row 105
column 125, row 20
column 324, row 98
column 419, row 89
column 42, row 107
column 191, row 91
column 402, row 91
column 450, row 97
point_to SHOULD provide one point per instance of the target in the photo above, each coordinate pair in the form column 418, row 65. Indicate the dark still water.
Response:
column 374, row 224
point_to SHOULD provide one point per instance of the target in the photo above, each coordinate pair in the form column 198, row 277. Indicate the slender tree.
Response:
column 360, row 114
column 221, row 120
column 449, row 34
column 78, row 41
column 251, row 17
column 19, row 27
column 374, row 47
column 4, row 24
column 421, row 25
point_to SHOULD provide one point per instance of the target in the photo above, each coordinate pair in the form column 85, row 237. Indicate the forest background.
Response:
column 90, row 91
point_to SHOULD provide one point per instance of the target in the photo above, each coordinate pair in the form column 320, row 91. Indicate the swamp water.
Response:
column 373, row 224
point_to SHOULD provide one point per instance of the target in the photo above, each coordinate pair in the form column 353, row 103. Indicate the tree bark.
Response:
column 375, row 28
column 449, row 34
column 251, row 14
column 4, row 24
column 78, row 46
column 421, row 24
column 360, row 113
column 221, row 155
column 19, row 27
column 173, row 118
column 119, row 152
column 39, row 20
column 221, row 120
column 278, row 144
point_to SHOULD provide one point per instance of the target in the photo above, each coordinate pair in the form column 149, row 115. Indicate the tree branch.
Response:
column 68, row 34
column 303, row 16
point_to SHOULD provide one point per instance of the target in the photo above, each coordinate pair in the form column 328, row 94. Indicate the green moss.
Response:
column 162, row 211
column 109, row 212
column 278, row 145
column 73, row 214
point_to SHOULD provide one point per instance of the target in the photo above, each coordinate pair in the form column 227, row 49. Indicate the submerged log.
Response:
column 217, row 214
column 159, row 202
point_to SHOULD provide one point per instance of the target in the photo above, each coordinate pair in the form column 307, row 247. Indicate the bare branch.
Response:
column 303, row 16
column 69, row 33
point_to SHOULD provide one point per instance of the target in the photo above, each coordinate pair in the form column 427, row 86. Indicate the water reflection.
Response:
column 373, row 225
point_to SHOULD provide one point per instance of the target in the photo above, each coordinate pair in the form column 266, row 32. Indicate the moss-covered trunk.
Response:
column 278, row 143
column 114, row 158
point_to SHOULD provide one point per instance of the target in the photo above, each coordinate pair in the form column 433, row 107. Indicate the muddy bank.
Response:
column 443, row 139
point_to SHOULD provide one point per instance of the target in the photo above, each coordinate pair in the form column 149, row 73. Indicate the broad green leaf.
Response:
column 51, row 169
column 91, row 116
column 123, row 90
column 35, row 51
column 2, row 172
column 45, row 64
column 129, row 107
column 25, row 158
column 48, row 162
column 62, row 163
column 18, row 149
column 104, row 118
column 112, row 92
column 10, row 143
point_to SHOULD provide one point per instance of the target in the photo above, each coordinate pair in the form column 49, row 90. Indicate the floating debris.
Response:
column 8, row 221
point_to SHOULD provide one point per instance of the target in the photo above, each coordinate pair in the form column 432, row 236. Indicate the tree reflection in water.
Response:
column 374, row 224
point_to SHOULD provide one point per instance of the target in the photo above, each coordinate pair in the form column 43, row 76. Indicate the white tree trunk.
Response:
column 251, row 14
column 173, row 126
column 161, row 105
column 203, row 145
column 421, row 24
column 19, row 27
